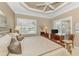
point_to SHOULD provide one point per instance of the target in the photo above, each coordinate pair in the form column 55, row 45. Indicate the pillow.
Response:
column 15, row 47
column 13, row 35
column 5, row 40
column 4, row 43
column 19, row 37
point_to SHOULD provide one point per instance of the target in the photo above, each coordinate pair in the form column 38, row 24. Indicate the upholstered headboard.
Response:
column 2, row 33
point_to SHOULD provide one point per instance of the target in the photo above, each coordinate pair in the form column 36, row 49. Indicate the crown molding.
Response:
column 32, row 9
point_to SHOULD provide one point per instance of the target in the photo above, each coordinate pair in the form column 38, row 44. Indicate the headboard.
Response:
column 2, row 33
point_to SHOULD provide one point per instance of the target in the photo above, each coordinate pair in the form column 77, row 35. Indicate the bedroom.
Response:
column 39, row 28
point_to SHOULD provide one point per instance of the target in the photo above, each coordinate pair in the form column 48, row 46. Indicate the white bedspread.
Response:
column 37, row 45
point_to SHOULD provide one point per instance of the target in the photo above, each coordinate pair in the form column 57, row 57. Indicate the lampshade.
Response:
column 17, row 28
column 45, row 29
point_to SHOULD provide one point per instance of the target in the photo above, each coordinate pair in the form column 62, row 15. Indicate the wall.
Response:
column 10, row 16
column 75, row 19
column 40, row 21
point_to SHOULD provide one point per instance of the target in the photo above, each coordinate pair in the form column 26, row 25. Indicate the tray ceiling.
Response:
column 42, row 9
column 41, row 6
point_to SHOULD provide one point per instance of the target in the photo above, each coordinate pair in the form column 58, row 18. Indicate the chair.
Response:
column 69, row 42
column 71, row 37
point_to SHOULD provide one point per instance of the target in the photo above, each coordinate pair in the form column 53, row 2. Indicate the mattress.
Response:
column 37, row 46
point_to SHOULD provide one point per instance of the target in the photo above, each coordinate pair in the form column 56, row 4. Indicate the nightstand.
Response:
column 68, row 45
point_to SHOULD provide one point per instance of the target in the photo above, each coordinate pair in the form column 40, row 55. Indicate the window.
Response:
column 27, row 26
column 64, row 26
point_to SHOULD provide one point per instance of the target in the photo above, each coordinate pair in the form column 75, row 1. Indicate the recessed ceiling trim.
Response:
column 32, row 9
column 65, row 3
column 27, row 7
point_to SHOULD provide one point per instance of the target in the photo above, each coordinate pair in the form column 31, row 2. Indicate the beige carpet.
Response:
column 75, row 51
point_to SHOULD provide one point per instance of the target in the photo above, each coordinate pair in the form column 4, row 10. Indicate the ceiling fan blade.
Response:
column 51, row 7
column 45, row 8
column 40, row 4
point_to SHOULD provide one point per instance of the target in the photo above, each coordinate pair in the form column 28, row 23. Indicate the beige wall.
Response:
column 75, row 19
column 10, row 16
column 40, row 21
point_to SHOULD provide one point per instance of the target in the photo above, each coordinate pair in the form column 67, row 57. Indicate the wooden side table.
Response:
column 68, row 45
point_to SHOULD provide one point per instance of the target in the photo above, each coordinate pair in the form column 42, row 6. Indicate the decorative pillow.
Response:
column 5, row 40
column 13, row 35
column 15, row 47
column 19, row 37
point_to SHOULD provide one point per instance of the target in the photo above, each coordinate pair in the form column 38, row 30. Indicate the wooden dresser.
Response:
column 44, row 34
column 57, row 38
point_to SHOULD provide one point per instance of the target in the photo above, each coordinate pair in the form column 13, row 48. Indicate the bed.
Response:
column 37, row 46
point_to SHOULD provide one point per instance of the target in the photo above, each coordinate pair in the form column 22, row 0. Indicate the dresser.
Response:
column 46, row 35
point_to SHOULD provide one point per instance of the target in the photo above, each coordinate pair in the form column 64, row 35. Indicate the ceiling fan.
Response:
column 46, row 5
